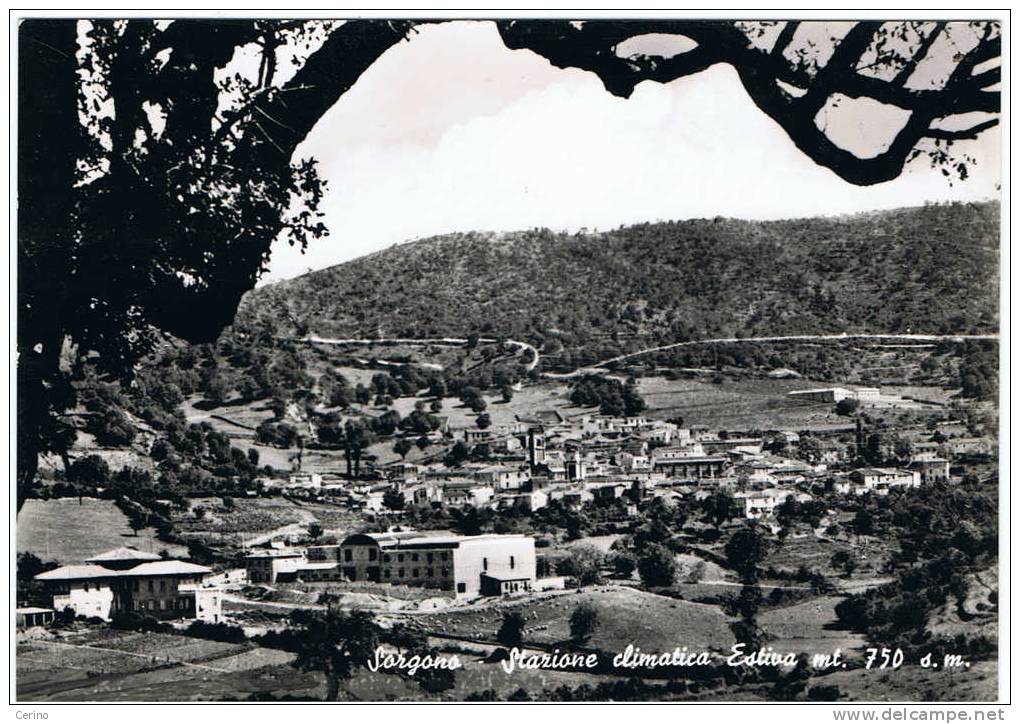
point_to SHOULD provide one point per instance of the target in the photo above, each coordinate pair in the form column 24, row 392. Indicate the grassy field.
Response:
column 62, row 530
column 107, row 665
column 738, row 404
column 868, row 553
column 808, row 627
column 626, row 616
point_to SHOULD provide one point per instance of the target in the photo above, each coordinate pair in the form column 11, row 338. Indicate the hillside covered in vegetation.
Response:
column 931, row 269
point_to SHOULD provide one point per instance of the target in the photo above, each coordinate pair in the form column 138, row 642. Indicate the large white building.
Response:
column 465, row 565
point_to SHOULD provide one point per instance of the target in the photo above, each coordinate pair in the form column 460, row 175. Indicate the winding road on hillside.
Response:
column 523, row 346
column 600, row 366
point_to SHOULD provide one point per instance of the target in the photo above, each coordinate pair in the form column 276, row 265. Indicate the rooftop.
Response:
column 124, row 553
column 417, row 540
column 273, row 553
column 89, row 571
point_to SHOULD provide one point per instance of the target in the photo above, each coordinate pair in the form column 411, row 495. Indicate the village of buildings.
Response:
column 536, row 461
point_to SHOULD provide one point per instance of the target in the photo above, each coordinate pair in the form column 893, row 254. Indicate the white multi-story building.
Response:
column 466, row 565
column 128, row 580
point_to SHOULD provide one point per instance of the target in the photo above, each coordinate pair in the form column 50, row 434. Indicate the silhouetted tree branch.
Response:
column 794, row 91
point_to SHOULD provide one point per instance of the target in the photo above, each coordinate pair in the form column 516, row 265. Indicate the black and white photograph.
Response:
column 509, row 358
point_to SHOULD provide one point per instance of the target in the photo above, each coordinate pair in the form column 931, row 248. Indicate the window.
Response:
column 136, row 586
column 401, row 573
column 511, row 562
column 386, row 573
column 386, row 558
column 414, row 573
column 162, row 586
column 372, row 554
column 485, row 564
column 429, row 573
column 414, row 556
column 152, row 587
column 461, row 587
column 86, row 587
column 347, row 554
column 446, row 572
column 429, row 557
column 400, row 557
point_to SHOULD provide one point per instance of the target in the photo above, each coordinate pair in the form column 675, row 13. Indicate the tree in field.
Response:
column 458, row 454
column 112, row 427
column 719, row 507
column 216, row 388
column 357, row 437
column 657, row 567
column 847, row 406
column 584, row 563
column 90, row 470
column 315, row 530
column 511, row 629
column 843, row 561
column 584, row 621
column 863, row 522
column 335, row 643
column 483, row 421
column 624, row 565
column 153, row 174
column 402, row 446
column 744, row 551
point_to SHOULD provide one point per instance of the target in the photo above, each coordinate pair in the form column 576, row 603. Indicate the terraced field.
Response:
column 108, row 665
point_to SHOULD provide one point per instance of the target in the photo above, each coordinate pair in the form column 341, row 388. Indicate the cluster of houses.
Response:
column 595, row 457
column 544, row 458
column 532, row 463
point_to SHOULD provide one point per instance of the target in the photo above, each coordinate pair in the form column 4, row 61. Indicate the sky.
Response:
column 499, row 140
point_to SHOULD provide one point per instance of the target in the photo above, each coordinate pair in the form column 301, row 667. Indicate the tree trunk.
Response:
column 48, row 148
column 332, row 686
